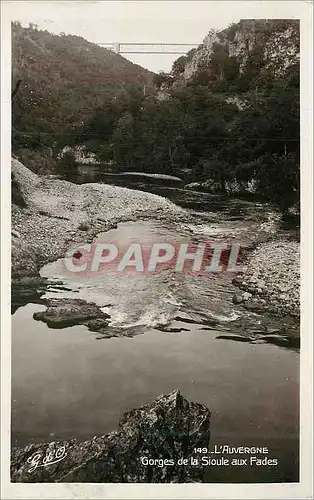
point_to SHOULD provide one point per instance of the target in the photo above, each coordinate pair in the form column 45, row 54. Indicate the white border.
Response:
column 302, row 10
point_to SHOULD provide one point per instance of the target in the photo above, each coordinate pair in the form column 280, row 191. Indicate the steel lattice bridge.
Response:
column 149, row 48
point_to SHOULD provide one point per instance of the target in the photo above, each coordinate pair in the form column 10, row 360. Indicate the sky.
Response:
column 132, row 21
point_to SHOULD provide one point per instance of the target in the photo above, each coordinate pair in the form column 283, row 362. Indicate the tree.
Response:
column 163, row 80
column 124, row 141
column 67, row 166
column 178, row 66
column 279, row 180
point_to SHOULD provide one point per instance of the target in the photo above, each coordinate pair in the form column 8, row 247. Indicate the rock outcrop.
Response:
column 264, row 46
column 161, row 433
column 64, row 312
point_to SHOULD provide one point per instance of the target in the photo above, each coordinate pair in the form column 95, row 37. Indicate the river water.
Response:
column 72, row 382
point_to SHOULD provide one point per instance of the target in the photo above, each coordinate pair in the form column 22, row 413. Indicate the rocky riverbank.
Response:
column 163, row 432
column 53, row 214
column 272, row 280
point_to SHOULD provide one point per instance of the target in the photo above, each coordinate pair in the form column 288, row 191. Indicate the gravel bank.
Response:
column 272, row 280
column 59, row 213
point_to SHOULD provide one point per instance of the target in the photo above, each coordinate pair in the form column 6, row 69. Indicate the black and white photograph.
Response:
column 154, row 264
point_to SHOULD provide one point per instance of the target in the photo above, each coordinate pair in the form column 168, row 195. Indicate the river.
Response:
column 72, row 382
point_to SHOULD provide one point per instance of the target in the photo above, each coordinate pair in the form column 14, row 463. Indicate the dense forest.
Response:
column 227, row 115
column 63, row 80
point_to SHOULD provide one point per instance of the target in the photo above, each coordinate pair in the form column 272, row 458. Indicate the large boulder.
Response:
column 64, row 312
column 165, row 431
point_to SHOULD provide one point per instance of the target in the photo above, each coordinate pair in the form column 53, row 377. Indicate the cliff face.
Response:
column 263, row 48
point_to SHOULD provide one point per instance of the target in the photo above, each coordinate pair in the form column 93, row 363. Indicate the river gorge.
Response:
column 166, row 331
